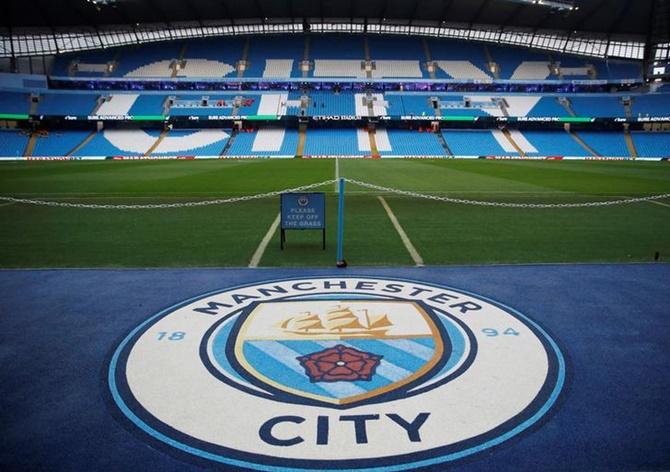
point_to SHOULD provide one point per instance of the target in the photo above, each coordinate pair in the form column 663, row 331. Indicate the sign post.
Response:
column 340, row 226
column 303, row 211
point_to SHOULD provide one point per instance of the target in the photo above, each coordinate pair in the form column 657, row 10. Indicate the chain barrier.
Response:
column 155, row 206
column 438, row 198
column 303, row 188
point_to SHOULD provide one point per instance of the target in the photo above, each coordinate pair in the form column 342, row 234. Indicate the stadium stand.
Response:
column 275, row 56
column 328, row 103
column 68, row 103
column 267, row 141
column 601, row 106
column 13, row 142
column 395, row 48
column 117, row 104
column 338, row 55
column 418, row 105
column 11, row 102
column 652, row 144
column 606, row 143
column 548, row 106
column 149, row 60
column 146, row 104
column 459, row 59
column 58, row 143
column 474, row 143
column 651, row 105
column 337, row 46
column 398, row 142
column 554, row 143
column 520, row 64
column 332, row 142
column 206, row 142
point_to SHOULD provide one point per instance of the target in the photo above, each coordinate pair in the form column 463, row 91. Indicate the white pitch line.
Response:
column 401, row 232
column 260, row 250
column 659, row 203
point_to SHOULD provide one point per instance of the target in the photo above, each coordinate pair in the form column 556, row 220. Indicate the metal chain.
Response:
column 408, row 193
column 155, row 206
column 303, row 188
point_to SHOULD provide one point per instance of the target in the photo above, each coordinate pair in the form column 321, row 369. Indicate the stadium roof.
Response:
column 618, row 17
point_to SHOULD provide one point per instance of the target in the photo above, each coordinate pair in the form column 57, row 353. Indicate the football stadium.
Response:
column 318, row 235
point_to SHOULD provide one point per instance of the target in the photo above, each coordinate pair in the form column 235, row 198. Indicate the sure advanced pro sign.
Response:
column 303, row 211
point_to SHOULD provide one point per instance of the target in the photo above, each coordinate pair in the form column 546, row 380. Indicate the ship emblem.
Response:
column 338, row 352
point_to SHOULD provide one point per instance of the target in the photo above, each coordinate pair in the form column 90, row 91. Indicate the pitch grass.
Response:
column 228, row 235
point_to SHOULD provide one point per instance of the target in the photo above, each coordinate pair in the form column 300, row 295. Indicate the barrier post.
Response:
column 340, row 226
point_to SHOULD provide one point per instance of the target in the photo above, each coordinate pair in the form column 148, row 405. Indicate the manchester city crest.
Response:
column 338, row 351
column 336, row 373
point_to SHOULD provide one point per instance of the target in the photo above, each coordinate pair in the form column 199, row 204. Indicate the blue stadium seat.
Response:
column 473, row 143
column 651, row 105
column 275, row 47
column 67, row 103
column 243, row 144
column 548, row 107
column 598, row 106
column 397, row 48
column 652, row 144
column 148, row 104
column 332, row 142
column 58, row 142
column 329, row 103
column 554, row 143
column 11, row 102
column 13, row 142
column 337, row 46
column 608, row 144
column 412, row 143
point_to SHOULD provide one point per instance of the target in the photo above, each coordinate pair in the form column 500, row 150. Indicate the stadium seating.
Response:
column 337, row 55
column 418, row 105
column 606, row 143
column 652, row 144
column 275, row 56
column 137, row 142
column 66, row 103
column 474, row 143
column 13, row 142
column 58, row 142
column 398, row 48
column 651, row 105
column 554, row 143
column 206, row 142
column 147, row 105
column 148, row 60
column 268, row 141
column 398, row 142
column 11, row 102
column 598, row 106
column 548, row 106
column 329, row 103
column 337, row 47
column 332, row 142
column 520, row 64
column 117, row 104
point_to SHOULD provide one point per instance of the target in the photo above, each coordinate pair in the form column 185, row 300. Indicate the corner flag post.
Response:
column 340, row 226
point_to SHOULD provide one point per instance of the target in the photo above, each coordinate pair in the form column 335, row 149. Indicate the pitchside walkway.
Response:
column 59, row 329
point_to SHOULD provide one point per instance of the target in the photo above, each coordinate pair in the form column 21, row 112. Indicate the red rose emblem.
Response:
column 339, row 363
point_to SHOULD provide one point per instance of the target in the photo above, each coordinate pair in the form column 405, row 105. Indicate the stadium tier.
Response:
column 278, row 141
column 345, row 103
column 338, row 56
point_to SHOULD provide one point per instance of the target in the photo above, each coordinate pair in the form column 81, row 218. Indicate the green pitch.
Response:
column 228, row 235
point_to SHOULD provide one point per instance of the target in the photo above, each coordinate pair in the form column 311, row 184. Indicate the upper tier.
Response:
column 339, row 56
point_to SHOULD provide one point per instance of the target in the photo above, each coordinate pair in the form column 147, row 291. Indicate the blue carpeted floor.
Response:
column 58, row 329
